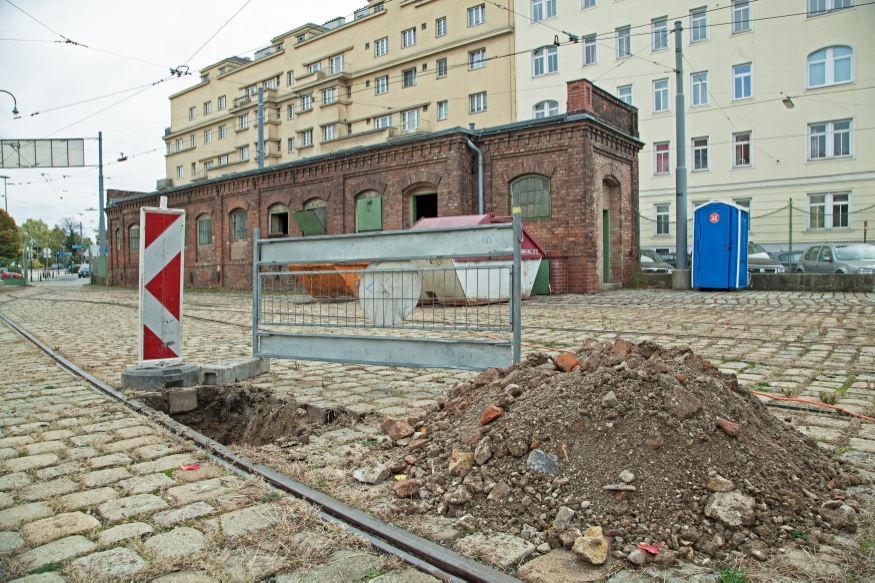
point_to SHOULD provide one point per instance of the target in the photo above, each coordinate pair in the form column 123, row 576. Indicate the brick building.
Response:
column 575, row 176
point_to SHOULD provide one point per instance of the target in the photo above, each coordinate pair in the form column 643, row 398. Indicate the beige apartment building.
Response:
column 394, row 69
column 780, row 104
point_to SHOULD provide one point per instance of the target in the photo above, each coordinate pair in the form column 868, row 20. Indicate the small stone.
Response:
column 409, row 460
column 470, row 434
column 621, row 348
column 719, row 484
column 375, row 473
column 461, row 462
column 405, row 488
column 566, row 363
column 563, row 518
column 499, row 492
column 592, row 547
column 491, row 414
column 654, row 442
column 681, row 378
column 568, row 537
column 627, row 476
column 387, row 422
column 682, row 404
column 543, row 548
column 665, row 558
column 561, row 566
column 400, row 430
column 459, row 496
column 620, row 487
column 731, row 508
column 498, row 549
column 585, row 504
column 610, row 400
column 729, row 427
column 540, row 461
column 638, row 557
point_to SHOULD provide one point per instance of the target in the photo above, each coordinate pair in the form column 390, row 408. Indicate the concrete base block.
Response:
column 228, row 372
column 681, row 279
column 218, row 374
column 182, row 400
column 157, row 377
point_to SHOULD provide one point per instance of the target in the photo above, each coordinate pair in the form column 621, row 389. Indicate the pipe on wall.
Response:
column 479, row 173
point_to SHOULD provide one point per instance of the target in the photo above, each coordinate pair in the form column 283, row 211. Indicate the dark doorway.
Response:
column 425, row 205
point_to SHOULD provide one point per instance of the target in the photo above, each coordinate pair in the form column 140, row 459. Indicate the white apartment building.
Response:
column 780, row 103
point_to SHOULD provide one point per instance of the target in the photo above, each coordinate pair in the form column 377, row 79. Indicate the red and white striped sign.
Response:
column 162, row 239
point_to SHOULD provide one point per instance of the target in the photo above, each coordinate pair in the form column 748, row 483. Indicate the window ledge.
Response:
column 740, row 32
column 819, row 87
column 304, row 147
column 238, row 130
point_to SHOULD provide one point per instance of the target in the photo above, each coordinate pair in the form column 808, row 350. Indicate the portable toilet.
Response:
column 720, row 246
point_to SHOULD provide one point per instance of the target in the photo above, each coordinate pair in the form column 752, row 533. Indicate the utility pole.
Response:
column 81, row 243
column 682, row 279
column 261, row 127
column 5, row 195
column 101, row 239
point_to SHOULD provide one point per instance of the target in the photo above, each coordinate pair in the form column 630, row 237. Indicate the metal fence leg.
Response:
column 516, row 291
column 790, row 262
column 256, row 292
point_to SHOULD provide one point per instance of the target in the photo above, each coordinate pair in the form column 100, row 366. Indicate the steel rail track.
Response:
column 418, row 552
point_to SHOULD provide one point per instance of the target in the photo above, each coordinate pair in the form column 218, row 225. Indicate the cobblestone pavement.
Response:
column 90, row 491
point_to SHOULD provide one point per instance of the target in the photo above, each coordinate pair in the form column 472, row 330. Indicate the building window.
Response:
column 383, row 122
column 168, row 147
column 662, row 158
column 382, row 85
column 741, row 150
column 698, row 25
column 291, row 145
column 830, row 66
column 306, row 138
column 543, row 9
column 205, row 230
column 335, row 65
column 192, row 140
column 408, row 78
column 477, row 59
column 244, row 153
column 243, row 121
column 545, row 61
column 269, row 84
column 740, row 16
column 624, row 42
column 135, row 239
column 590, row 51
column 180, row 144
column 829, row 140
column 223, row 160
column 180, row 172
column 700, row 88
column 278, row 219
column 410, row 121
column 660, row 96
column 327, row 133
column 587, row 4
column 624, row 93
column 440, row 27
column 545, row 108
column 660, row 34
column 313, row 67
column 306, row 102
column 408, row 38
column 223, row 132
column 208, row 107
column 441, row 68
column 192, row 113
column 238, row 225
column 290, row 111
column 381, row 46
column 118, row 240
column 193, row 169
column 662, row 214
column 532, row 195
column 477, row 15
column 223, row 102
column 251, row 90
column 477, row 102
column 700, row 154
column 443, row 110
column 742, row 81
column 208, row 136
column 290, row 78
column 816, row 7
column 829, row 211
column 207, row 165
column 328, row 96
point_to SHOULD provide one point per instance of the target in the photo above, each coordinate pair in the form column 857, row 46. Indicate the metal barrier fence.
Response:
column 788, row 229
column 434, row 298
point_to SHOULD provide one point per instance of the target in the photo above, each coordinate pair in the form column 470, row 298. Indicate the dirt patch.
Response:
column 654, row 445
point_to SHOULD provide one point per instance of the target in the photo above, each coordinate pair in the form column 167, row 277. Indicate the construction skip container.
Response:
column 720, row 232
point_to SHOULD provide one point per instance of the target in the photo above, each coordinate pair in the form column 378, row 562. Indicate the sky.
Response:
column 148, row 39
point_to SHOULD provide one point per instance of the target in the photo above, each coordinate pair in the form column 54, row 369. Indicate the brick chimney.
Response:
column 579, row 97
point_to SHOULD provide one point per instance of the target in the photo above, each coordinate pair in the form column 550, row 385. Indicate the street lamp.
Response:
column 14, row 102
column 5, row 198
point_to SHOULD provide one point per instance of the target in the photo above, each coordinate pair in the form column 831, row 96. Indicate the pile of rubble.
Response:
column 631, row 451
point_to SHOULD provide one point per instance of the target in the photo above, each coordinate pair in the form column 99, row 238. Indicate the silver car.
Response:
column 651, row 262
column 839, row 258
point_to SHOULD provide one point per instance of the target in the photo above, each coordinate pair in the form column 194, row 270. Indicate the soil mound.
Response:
column 653, row 445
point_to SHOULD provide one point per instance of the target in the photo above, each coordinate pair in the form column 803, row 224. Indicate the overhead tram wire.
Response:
column 245, row 4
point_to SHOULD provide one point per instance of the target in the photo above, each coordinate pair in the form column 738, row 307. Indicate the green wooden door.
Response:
column 542, row 279
column 606, row 244
column 369, row 214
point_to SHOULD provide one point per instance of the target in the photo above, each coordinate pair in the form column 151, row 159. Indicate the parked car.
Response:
column 651, row 262
column 759, row 261
column 784, row 258
column 838, row 258
column 84, row 271
column 10, row 275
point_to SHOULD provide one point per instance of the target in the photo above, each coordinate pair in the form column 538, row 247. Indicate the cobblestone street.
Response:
column 90, row 490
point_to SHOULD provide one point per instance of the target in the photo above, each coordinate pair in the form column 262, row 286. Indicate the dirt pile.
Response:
column 652, row 445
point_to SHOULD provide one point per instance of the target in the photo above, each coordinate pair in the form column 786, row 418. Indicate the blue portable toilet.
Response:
column 720, row 246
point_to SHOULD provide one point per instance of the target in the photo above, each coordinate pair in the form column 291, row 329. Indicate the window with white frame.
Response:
column 313, row 67
column 545, row 61
column 335, row 65
column 624, row 94
column 306, row 138
column 830, row 139
column 587, row 4
column 545, row 109
column 328, row 96
column 168, row 147
column 205, row 230
column 543, row 9
column 440, row 26
column 624, row 42
column 192, row 140
column 306, row 102
column 408, row 38
column 381, row 46
column 290, row 111
column 290, row 78
column 180, row 144
column 208, row 136
column 662, row 159
column 660, row 96
column 590, row 50
column 383, row 122
column 477, row 102
column 180, row 172
column 327, row 133
column 252, row 90
column 381, row 85
column 742, row 81
column 477, row 59
column 443, row 110
column 662, row 218
column 816, row 7
column 698, row 25
column 223, row 132
column 223, row 159
column 244, row 153
column 477, row 15
column 291, row 145
column 223, row 102
column 208, row 164
column 700, row 154
column 408, row 78
column 135, row 239
column 208, row 107
column 741, row 153
column 699, row 82
column 238, row 224
column 441, row 68
column 660, row 34
column 269, row 84
column 830, row 66
column 829, row 210
column 192, row 113
column 243, row 121
column 410, row 120
column 740, row 16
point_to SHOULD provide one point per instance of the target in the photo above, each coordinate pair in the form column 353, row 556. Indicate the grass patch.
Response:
column 373, row 574
column 731, row 576
column 46, row 569
column 47, row 387
column 271, row 496
column 867, row 542
column 798, row 535
column 828, row 397
column 168, row 473
column 370, row 443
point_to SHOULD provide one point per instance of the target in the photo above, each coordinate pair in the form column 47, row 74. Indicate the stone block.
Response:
column 123, row 532
column 135, row 431
column 104, row 477
column 246, row 520
column 405, row 576
column 49, row 529
column 114, row 564
column 43, row 447
column 87, row 499
column 560, row 566
column 204, row 490
column 170, row 462
column 13, row 481
column 341, row 566
column 159, row 377
column 182, row 400
column 31, row 462
column 146, row 484
column 56, row 434
column 10, row 541
column 181, row 542
column 17, row 515
column 185, row 577
column 128, row 444
column 55, row 552
column 177, row 515
column 116, row 510
column 218, row 374
column 115, row 459
column 498, row 549
column 46, row 490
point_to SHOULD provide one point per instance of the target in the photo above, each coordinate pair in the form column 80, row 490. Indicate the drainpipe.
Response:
column 479, row 171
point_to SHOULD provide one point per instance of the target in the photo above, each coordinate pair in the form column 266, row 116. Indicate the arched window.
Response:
column 135, row 239
column 532, row 195
column 205, row 230
column 369, row 211
column 545, row 61
column 238, row 224
column 830, row 66
column 118, row 240
column 279, row 219
column 546, row 108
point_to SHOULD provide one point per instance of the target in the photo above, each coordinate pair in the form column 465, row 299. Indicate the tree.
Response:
column 70, row 226
column 37, row 232
column 10, row 239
